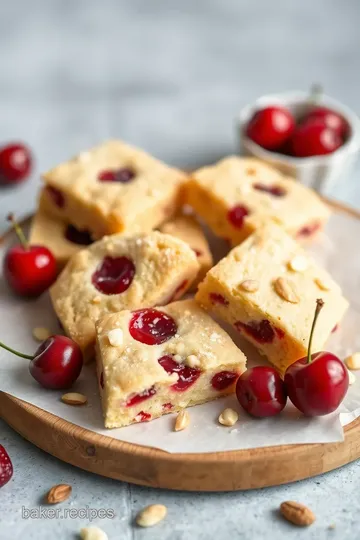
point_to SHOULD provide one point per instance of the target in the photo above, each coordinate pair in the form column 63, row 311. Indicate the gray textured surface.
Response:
column 169, row 76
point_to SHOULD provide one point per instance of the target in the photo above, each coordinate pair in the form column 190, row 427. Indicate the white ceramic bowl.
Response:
column 318, row 172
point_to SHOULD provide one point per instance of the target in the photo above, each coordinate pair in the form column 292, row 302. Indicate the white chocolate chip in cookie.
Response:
column 299, row 263
column 116, row 337
column 192, row 361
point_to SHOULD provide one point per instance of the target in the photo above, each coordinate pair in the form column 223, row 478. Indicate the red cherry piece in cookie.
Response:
column 124, row 175
column 237, row 215
column 330, row 119
column 313, row 138
column 187, row 375
column 15, row 163
column 142, row 396
column 29, row 270
column 216, row 298
column 56, row 196
column 197, row 252
column 143, row 417
column 270, row 127
column 223, row 380
column 260, row 331
column 276, row 191
column 114, row 275
column 261, row 391
column 167, row 406
column 317, row 383
column 6, row 467
column 152, row 327
column 309, row 230
column 74, row 235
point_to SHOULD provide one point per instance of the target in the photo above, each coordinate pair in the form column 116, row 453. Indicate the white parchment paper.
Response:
column 340, row 256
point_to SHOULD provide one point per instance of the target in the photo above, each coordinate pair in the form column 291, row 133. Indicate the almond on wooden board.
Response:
column 58, row 494
column 297, row 513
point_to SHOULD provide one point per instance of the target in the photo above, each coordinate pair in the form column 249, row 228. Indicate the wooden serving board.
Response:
column 220, row 471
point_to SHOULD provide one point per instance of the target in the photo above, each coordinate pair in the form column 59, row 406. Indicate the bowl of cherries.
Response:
column 308, row 136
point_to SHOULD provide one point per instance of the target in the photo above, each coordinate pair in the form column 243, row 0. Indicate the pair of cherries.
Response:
column 320, row 132
column 315, row 384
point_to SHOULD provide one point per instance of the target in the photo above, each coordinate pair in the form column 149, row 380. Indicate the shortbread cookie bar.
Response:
column 154, row 361
column 238, row 195
column 267, row 289
column 188, row 229
column 120, row 272
column 62, row 239
column 113, row 188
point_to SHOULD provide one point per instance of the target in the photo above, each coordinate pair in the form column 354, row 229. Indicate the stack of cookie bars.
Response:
column 127, row 233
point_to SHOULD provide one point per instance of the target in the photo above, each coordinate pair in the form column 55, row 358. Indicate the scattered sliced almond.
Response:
column 352, row 378
column 286, row 290
column 297, row 513
column 192, row 361
column 73, row 398
column 250, row 285
column 93, row 533
column 182, row 421
column 41, row 333
column 151, row 515
column 299, row 263
column 116, row 337
column 58, row 494
column 228, row 417
column 353, row 361
column 322, row 284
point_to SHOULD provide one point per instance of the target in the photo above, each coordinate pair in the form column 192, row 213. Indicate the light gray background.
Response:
column 169, row 76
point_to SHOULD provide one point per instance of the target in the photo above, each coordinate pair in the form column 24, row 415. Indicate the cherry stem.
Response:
column 319, row 306
column 22, row 355
column 18, row 231
column 316, row 91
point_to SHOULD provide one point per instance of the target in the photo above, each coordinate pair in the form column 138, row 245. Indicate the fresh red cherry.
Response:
column 313, row 138
column 114, row 275
column 317, row 383
column 151, row 326
column 6, row 467
column 270, row 127
column 29, row 270
column 56, row 364
column 330, row 119
column 15, row 163
column 261, row 391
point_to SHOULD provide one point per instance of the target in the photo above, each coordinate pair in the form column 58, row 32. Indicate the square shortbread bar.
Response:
column 113, row 188
column 238, row 195
column 188, row 229
column 120, row 272
column 267, row 289
column 154, row 361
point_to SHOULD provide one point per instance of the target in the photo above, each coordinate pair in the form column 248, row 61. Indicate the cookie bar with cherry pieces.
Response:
column 120, row 272
column 154, row 361
column 113, row 188
column 62, row 239
column 267, row 289
column 188, row 229
column 238, row 195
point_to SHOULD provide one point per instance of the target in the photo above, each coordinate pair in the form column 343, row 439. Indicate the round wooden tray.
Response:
column 220, row 471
